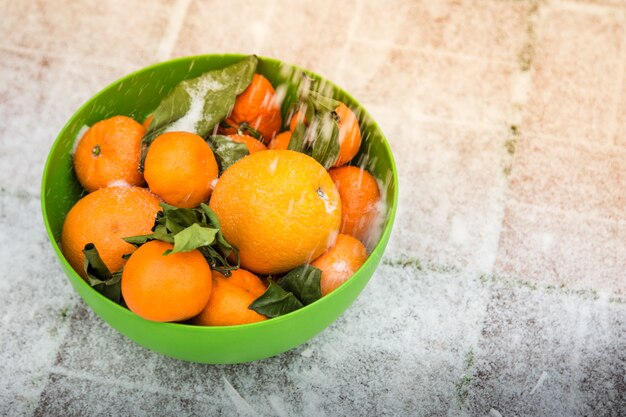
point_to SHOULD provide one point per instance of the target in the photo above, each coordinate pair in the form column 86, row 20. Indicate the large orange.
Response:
column 230, row 298
column 258, row 106
column 360, row 197
column 108, row 153
column 180, row 168
column 340, row 262
column 162, row 287
column 280, row 208
column 103, row 218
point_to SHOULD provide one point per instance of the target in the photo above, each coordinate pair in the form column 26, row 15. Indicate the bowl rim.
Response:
column 374, row 256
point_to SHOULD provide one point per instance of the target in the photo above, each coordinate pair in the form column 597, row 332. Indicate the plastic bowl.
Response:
column 136, row 95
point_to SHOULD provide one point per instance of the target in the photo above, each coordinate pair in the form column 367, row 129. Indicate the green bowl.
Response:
column 137, row 95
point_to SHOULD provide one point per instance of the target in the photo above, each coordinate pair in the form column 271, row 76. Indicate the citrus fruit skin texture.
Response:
column 163, row 288
column 103, row 218
column 258, row 106
column 179, row 168
column 340, row 262
column 280, row 208
column 349, row 135
column 360, row 196
column 109, row 152
column 230, row 298
column 251, row 143
column 280, row 141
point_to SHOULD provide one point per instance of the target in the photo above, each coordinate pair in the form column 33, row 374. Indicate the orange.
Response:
column 252, row 144
column 340, row 262
column 349, row 135
column 230, row 298
column 360, row 196
column 109, row 153
column 179, row 168
column 257, row 106
column 103, row 218
column 170, row 287
column 280, row 208
column 280, row 141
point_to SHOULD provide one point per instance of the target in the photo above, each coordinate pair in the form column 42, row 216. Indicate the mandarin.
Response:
column 340, row 262
column 230, row 298
column 162, row 287
column 360, row 196
column 103, row 218
column 251, row 143
column 109, row 152
column 349, row 135
column 180, row 168
column 258, row 107
column 280, row 141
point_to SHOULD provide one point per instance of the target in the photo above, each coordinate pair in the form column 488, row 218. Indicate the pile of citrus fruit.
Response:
column 229, row 227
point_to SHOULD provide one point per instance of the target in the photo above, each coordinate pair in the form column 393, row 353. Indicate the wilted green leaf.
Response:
column 215, row 222
column 99, row 276
column 275, row 302
column 138, row 240
column 193, row 237
column 189, row 229
column 303, row 282
column 217, row 90
column 226, row 151
column 325, row 143
column 322, row 103
column 297, row 141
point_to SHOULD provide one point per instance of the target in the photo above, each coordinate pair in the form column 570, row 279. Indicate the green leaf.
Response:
column 178, row 219
column 297, row 141
column 325, row 143
column 226, row 151
column 189, row 229
column 161, row 233
column 99, row 276
column 303, row 282
column 193, row 237
column 203, row 101
column 275, row 302
column 322, row 103
column 139, row 239
column 215, row 222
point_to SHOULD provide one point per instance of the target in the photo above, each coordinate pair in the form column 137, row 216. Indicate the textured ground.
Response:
column 503, row 290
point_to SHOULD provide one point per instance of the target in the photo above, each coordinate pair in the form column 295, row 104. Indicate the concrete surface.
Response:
column 502, row 290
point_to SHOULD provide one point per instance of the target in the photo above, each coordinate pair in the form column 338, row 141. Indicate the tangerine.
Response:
column 162, row 287
column 360, row 196
column 109, row 152
column 180, row 168
column 340, row 262
column 103, row 218
column 258, row 107
column 251, row 143
column 280, row 141
column 349, row 135
column 230, row 298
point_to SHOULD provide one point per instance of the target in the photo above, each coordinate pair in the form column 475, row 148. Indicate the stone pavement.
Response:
column 503, row 289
